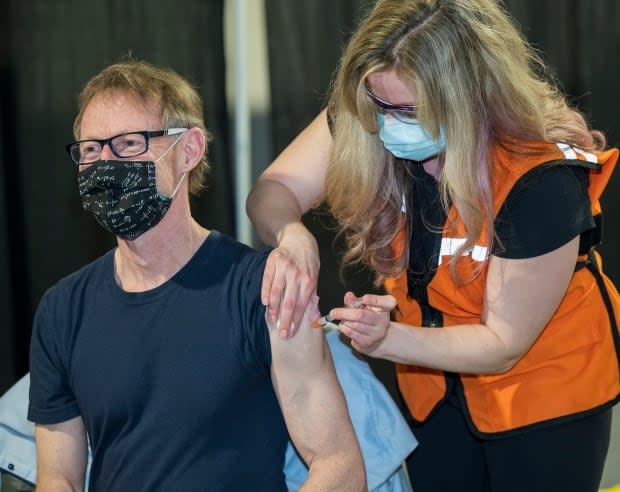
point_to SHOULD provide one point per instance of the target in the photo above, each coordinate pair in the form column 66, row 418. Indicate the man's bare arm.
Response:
column 61, row 456
column 315, row 409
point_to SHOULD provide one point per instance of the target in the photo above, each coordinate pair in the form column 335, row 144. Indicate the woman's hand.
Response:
column 365, row 320
column 290, row 278
column 288, row 188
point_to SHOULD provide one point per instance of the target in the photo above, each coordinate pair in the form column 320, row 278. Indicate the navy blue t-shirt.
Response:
column 173, row 384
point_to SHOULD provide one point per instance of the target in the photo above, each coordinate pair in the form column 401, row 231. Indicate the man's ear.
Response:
column 193, row 148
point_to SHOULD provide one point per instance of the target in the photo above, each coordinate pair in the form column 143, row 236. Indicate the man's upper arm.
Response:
column 315, row 410
column 61, row 456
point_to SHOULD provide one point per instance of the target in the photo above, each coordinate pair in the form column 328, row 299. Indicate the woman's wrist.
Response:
column 293, row 229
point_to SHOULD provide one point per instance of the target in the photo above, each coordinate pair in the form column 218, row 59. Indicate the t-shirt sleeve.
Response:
column 545, row 209
column 258, row 332
column 51, row 399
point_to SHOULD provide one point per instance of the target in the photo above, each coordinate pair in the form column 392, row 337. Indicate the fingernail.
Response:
column 282, row 333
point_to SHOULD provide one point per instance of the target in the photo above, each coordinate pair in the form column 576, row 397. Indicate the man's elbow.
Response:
column 56, row 484
column 344, row 472
column 355, row 474
column 358, row 479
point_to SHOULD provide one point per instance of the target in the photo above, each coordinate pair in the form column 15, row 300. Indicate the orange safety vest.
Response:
column 572, row 369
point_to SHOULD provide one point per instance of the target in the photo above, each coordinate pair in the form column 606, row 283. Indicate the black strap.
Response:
column 592, row 265
column 593, row 166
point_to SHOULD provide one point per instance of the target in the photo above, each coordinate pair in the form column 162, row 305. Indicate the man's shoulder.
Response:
column 229, row 251
column 89, row 274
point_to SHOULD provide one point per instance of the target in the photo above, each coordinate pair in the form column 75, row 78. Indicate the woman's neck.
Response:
column 432, row 166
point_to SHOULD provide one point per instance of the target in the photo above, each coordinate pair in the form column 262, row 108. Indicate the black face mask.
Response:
column 123, row 196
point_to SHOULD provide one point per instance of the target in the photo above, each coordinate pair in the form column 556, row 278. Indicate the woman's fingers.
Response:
column 288, row 285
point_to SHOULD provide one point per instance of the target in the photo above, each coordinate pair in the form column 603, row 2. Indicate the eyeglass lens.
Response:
column 128, row 145
column 408, row 117
column 401, row 113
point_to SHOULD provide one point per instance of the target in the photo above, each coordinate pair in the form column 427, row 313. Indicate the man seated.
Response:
column 159, row 351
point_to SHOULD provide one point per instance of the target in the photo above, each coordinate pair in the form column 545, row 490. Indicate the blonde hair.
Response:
column 474, row 76
column 178, row 102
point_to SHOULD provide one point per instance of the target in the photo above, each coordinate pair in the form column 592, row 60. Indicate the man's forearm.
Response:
column 62, row 455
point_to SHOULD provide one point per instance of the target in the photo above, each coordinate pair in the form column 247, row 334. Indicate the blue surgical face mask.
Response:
column 408, row 140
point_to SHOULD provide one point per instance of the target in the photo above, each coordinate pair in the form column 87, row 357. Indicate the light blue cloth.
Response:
column 383, row 433
column 18, row 454
column 384, row 436
column 17, row 451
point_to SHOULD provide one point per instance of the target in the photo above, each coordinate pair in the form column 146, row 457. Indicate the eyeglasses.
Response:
column 124, row 145
column 405, row 113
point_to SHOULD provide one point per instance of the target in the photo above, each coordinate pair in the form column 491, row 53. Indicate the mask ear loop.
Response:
column 169, row 149
column 174, row 192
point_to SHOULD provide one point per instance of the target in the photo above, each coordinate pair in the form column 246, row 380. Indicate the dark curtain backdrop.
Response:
column 579, row 39
column 48, row 50
column 7, row 338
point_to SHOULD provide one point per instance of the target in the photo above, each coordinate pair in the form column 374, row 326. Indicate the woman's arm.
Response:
column 287, row 189
column 520, row 299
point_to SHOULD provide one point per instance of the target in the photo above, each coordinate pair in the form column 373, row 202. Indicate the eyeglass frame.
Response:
column 147, row 134
column 394, row 109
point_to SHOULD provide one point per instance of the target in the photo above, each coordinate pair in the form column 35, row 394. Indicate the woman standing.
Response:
column 462, row 177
